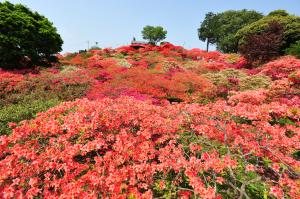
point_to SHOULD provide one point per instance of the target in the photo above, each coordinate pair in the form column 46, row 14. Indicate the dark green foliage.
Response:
column 296, row 155
column 282, row 121
column 294, row 49
column 154, row 34
column 221, row 28
column 290, row 23
column 230, row 22
column 26, row 38
column 209, row 28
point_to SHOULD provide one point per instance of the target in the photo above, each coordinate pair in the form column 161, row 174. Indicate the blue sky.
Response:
column 113, row 23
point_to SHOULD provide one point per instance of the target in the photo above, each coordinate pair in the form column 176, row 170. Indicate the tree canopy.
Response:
column 230, row 22
column 26, row 37
column 294, row 49
column 209, row 28
column 262, row 47
column 154, row 34
column 290, row 23
column 221, row 28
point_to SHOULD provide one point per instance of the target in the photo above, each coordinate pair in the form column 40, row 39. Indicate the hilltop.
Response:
column 153, row 121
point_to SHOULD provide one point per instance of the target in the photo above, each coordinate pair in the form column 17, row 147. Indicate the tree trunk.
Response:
column 207, row 45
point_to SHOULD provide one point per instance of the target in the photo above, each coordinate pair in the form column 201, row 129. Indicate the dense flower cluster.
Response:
column 183, row 85
column 153, row 122
column 11, row 81
column 165, row 72
column 125, row 147
column 8, row 81
column 281, row 68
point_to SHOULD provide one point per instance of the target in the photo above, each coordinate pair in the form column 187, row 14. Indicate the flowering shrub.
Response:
column 256, row 97
column 124, row 63
column 253, row 82
column 236, row 80
column 178, row 86
column 295, row 77
column 281, row 88
column 76, row 60
column 157, row 122
column 8, row 81
column 94, row 61
column 22, row 96
column 281, row 68
column 129, row 148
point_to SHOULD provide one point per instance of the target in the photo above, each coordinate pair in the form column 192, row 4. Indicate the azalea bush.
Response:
column 281, row 68
column 155, row 122
column 129, row 148
column 67, row 84
column 178, row 85
column 8, row 81
column 22, row 96
column 164, row 72
column 236, row 80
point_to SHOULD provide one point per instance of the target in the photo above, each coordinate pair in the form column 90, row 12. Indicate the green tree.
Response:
column 290, row 23
column 230, row 22
column 262, row 47
column 282, row 13
column 220, row 29
column 26, row 38
column 294, row 49
column 154, row 34
column 209, row 28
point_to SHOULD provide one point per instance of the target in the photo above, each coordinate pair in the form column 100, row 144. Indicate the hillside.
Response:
column 158, row 121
